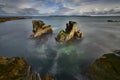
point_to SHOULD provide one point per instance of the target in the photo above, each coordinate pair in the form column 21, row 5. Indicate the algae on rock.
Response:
column 17, row 68
column 69, row 33
column 106, row 68
column 13, row 68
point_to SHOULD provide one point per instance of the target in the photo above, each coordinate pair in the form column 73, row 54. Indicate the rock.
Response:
column 78, row 34
column 39, row 28
column 117, row 52
column 113, row 20
column 36, row 76
column 48, row 76
column 69, row 33
column 18, row 69
column 13, row 68
column 106, row 68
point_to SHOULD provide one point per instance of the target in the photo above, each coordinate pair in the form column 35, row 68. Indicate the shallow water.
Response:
column 66, row 61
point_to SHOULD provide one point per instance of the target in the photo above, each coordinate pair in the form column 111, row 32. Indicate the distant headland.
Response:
column 4, row 19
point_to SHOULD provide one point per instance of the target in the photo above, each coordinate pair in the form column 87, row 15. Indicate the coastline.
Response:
column 4, row 19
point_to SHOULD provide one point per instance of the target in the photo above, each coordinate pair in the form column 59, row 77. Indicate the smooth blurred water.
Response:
column 65, row 61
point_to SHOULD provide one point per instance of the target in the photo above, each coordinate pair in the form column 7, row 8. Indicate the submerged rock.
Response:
column 106, row 68
column 69, row 33
column 39, row 28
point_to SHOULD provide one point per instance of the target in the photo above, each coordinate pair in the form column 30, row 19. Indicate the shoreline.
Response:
column 4, row 19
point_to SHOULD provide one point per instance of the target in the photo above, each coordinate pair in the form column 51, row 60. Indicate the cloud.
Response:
column 63, row 11
column 28, row 11
column 103, row 11
column 60, row 7
column 2, row 11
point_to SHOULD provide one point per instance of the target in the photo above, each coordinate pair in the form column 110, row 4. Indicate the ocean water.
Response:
column 69, row 61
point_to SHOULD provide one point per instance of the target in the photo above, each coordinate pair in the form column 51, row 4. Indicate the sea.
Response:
column 66, row 61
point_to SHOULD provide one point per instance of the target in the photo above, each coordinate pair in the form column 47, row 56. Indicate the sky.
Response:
column 59, row 7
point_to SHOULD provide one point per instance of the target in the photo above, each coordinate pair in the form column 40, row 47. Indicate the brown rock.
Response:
column 69, row 33
column 48, row 76
column 39, row 28
column 13, row 68
column 16, row 68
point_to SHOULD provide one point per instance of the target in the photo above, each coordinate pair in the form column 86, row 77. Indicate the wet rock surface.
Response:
column 107, row 67
column 18, row 69
column 39, row 28
column 70, row 32
column 13, row 68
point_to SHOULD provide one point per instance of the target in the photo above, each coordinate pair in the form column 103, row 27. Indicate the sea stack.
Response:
column 39, row 28
column 70, row 32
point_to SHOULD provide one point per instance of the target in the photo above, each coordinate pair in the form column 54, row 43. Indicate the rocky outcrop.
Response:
column 39, row 28
column 13, row 68
column 113, row 20
column 17, row 69
column 107, row 67
column 69, row 33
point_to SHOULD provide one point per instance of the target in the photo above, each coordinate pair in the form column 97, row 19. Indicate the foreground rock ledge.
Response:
column 17, row 69
column 13, row 68
column 107, row 67
column 70, row 32
column 39, row 28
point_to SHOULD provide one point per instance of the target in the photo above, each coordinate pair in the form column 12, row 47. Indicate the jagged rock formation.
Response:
column 17, row 69
column 107, row 67
column 69, row 33
column 39, row 28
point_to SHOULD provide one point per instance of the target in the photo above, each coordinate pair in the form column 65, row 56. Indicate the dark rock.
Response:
column 113, row 20
column 39, row 28
column 106, row 68
column 69, row 33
